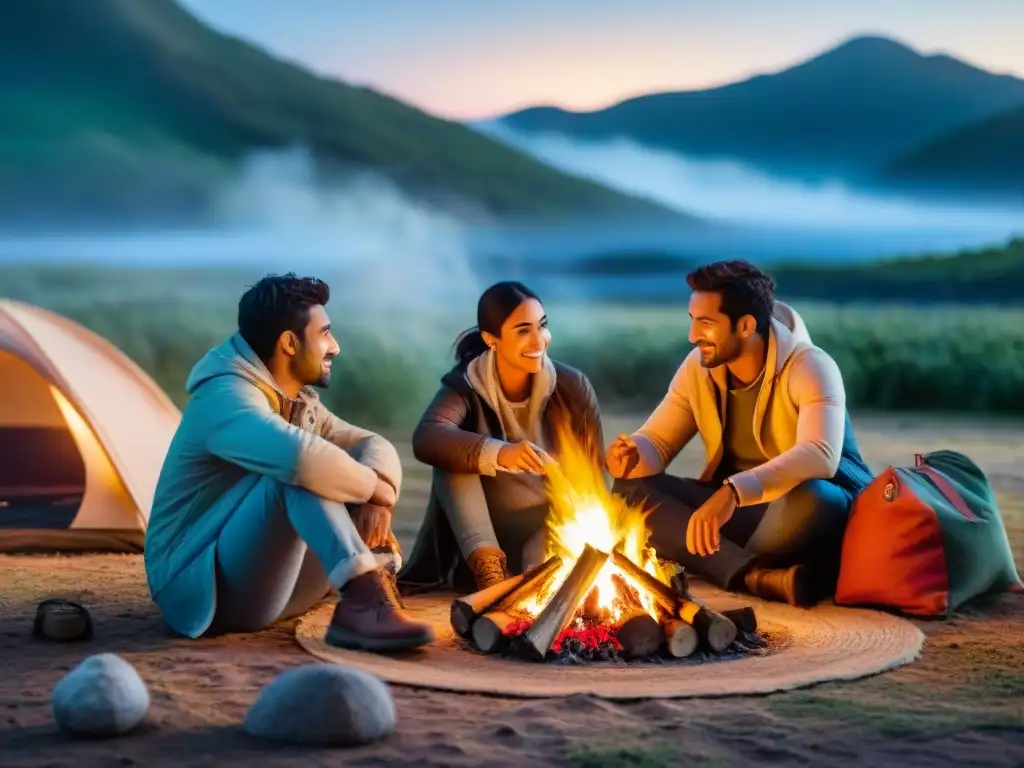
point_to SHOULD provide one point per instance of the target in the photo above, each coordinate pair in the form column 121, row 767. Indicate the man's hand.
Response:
column 383, row 495
column 374, row 525
column 702, row 534
column 623, row 456
column 523, row 457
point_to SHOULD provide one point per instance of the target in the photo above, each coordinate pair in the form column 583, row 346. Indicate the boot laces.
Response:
column 389, row 594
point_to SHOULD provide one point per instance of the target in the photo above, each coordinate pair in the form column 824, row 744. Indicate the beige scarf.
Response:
column 482, row 375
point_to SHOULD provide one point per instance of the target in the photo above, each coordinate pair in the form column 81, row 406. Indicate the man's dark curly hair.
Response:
column 278, row 303
column 744, row 290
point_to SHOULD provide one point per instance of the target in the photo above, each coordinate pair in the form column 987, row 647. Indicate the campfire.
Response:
column 602, row 593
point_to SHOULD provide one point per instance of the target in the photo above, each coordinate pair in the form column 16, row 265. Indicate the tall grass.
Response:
column 950, row 359
column 938, row 358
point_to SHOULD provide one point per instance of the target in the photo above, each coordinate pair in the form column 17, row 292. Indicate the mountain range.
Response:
column 129, row 109
column 871, row 111
column 984, row 157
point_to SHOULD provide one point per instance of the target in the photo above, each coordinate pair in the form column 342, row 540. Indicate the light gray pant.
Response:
column 473, row 503
column 282, row 551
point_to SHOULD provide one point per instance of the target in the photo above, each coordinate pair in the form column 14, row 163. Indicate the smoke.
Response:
column 387, row 256
column 398, row 268
column 396, row 253
column 729, row 191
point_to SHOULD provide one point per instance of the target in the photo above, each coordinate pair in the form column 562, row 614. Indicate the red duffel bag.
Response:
column 923, row 540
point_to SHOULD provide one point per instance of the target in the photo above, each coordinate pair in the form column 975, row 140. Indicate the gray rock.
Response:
column 102, row 696
column 323, row 704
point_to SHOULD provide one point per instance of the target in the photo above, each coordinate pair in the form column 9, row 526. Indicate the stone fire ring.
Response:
column 805, row 647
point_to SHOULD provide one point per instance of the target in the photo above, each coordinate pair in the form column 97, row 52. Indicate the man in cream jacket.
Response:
column 782, row 465
column 267, row 501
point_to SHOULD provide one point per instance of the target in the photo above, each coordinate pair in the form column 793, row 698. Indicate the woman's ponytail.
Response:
column 469, row 345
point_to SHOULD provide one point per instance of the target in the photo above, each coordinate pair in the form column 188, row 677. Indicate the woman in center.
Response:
column 488, row 433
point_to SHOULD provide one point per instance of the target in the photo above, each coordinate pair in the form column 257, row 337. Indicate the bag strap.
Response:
column 945, row 488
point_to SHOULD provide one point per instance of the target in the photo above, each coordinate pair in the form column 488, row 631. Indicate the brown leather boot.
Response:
column 368, row 617
column 488, row 566
column 784, row 585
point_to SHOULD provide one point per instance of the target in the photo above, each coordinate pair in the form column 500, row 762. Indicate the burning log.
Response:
column 714, row 629
column 592, row 610
column 744, row 619
column 466, row 609
column 661, row 592
column 626, row 596
column 535, row 642
column 489, row 631
column 639, row 633
column 534, row 581
column 640, row 636
column 681, row 584
column 681, row 638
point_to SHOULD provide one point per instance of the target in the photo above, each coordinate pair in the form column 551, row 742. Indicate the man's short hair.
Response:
column 278, row 303
column 744, row 290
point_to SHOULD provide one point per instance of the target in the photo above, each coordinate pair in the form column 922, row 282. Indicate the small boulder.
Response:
column 323, row 704
column 102, row 696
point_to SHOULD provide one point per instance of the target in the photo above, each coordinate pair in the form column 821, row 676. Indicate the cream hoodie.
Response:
column 799, row 420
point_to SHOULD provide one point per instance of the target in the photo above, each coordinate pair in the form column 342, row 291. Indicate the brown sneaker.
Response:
column 368, row 617
column 784, row 585
column 488, row 566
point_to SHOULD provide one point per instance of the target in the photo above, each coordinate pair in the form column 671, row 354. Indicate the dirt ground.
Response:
column 962, row 703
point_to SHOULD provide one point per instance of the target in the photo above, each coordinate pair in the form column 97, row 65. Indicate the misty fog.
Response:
column 274, row 217
column 731, row 193
column 389, row 254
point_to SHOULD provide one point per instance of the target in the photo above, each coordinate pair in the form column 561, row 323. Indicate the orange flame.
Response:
column 584, row 511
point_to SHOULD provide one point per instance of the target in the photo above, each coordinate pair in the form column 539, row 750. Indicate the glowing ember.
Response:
column 584, row 511
column 590, row 638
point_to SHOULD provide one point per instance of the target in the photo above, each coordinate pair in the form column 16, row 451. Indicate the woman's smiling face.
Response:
column 524, row 338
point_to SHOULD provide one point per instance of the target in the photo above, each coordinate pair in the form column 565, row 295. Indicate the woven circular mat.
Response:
column 804, row 647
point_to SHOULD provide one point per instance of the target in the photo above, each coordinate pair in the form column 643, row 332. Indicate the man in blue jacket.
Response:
column 266, row 500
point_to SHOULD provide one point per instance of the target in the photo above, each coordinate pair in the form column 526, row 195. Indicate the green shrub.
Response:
column 938, row 359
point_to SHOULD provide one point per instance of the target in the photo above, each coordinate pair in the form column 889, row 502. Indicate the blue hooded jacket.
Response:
column 237, row 428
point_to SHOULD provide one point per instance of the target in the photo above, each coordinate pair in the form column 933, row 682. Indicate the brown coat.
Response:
column 449, row 437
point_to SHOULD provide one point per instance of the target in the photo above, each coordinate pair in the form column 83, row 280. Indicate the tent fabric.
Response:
column 83, row 433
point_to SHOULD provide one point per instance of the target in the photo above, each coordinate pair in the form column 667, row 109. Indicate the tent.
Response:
column 83, row 434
